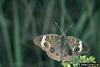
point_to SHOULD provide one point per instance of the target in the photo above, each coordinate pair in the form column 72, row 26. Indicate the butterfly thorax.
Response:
column 63, row 39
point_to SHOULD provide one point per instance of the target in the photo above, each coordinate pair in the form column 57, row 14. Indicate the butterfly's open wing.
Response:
column 78, row 46
column 51, row 44
column 46, row 41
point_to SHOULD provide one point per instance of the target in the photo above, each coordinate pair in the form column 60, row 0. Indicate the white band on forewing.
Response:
column 43, row 41
column 80, row 46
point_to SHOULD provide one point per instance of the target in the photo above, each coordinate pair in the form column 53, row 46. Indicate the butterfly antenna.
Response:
column 59, row 27
column 69, row 27
column 63, row 33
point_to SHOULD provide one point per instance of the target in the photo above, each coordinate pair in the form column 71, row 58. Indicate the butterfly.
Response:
column 61, row 48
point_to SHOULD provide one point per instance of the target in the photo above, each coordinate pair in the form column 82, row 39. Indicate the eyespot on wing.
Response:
column 73, row 41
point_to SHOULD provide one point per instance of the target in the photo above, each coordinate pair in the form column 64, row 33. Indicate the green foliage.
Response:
column 77, row 60
column 85, row 59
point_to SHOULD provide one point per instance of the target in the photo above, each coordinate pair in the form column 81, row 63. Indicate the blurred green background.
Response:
column 22, row 20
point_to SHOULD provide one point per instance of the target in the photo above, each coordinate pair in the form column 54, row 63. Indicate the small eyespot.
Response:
column 57, row 54
column 66, row 43
column 70, row 52
column 76, row 49
column 46, row 44
column 52, row 50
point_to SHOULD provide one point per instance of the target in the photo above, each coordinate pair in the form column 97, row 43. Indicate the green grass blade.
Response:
column 3, row 23
column 17, row 41
column 62, row 13
column 48, row 16
column 29, row 18
column 6, row 39
column 0, row 65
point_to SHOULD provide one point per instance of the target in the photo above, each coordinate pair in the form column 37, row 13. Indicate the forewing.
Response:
column 46, row 41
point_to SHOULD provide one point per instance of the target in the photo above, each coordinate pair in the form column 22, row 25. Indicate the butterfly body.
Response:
column 61, row 49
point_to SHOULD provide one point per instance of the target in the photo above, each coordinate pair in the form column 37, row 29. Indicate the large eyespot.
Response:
column 76, row 49
column 46, row 44
column 52, row 50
